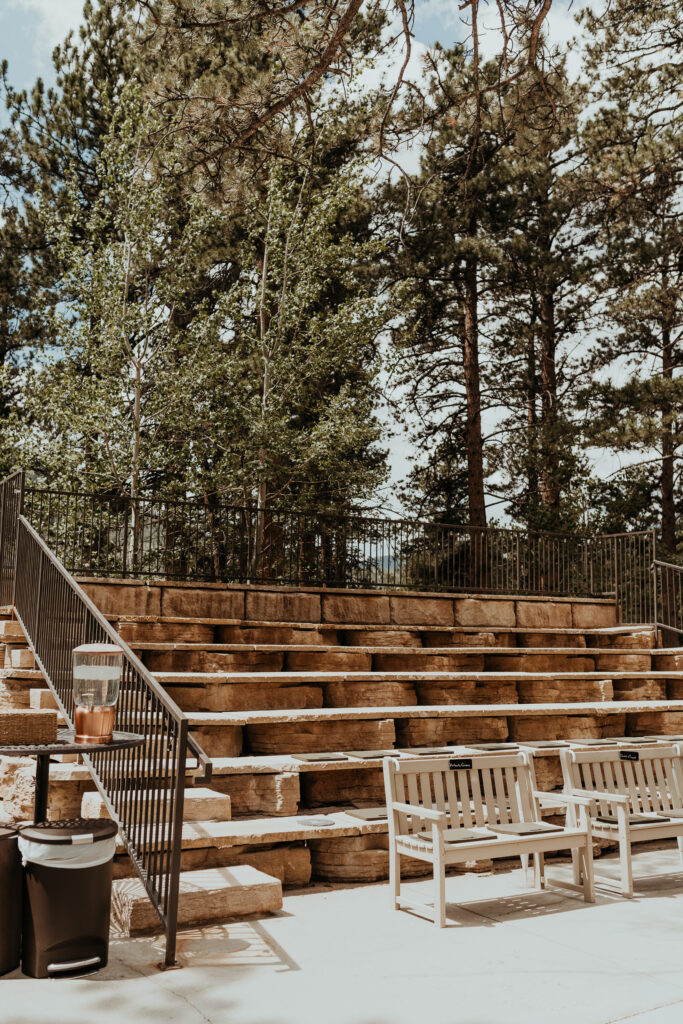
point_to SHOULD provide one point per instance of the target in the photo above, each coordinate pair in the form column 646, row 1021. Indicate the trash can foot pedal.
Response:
column 74, row 965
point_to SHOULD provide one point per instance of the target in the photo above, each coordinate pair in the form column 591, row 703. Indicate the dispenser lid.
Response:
column 99, row 650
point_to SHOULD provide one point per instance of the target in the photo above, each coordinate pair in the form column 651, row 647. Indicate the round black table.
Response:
column 64, row 744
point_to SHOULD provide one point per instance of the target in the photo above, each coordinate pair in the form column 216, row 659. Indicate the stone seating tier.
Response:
column 265, row 674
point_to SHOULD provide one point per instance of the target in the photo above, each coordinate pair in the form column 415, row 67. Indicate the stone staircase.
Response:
column 297, row 695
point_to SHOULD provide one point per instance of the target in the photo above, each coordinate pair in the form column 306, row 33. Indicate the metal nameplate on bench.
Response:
column 629, row 755
column 459, row 763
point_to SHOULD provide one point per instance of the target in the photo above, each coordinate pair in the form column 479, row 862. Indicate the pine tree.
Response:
column 637, row 169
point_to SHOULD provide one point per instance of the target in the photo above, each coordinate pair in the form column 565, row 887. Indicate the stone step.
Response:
column 228, row 734
column 11, row 631
column 201, row 804
column 205, row 897
column 231, row 631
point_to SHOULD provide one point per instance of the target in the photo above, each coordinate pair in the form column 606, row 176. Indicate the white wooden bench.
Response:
column 448, row 810
column 639, row 793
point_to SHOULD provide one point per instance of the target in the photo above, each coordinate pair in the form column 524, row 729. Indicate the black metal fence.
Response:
column 668, row 582
column 11, row 500
column 143, row 788
column 98, row 535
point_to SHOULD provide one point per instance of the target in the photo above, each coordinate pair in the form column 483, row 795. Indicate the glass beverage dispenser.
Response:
column 97, row 671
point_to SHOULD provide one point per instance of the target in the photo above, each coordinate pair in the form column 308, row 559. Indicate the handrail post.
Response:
column 20, row 512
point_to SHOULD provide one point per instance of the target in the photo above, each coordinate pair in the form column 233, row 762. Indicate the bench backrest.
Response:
column 473, row 790
column 652, row 777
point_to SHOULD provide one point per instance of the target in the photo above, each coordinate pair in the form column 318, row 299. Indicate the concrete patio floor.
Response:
column 341, row 956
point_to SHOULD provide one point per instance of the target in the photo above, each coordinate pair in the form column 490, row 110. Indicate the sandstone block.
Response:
column 503, row 639
column 449, row 638
column 290, row 862
column 381, row 638
column 593, row 616
column 552, row 614
column 379, row 694
column 643, row 640
column 641, row 689
column 328, row 661
column 276, row 794
column 422, row 611
column 539, row 663
column 282, row 606
column 356, row 609
column 473, row 611
column 213, row 894
column 429, row 732
column 623, row 662
column 202, row 603
column 159, row 632
column 359, row 859
column 219, row 740
column 551, row 640
column 561, row 691
column 309, row 737
column 467, row 692
column 268, row 634
column 548, row 771
column 674, row 689
column 417, row 662
column 201, row 804
column 14, row 695
column 17, row 786
column 19, row 657
column 39, row 699
column 246, row 697
column 360, row 787
column 643, row 723
column 564, row 727
column 667, row 662
column 213, row 661
column 125, row 599
column 11, row 630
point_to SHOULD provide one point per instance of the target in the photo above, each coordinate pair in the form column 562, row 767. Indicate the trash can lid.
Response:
column 69, row 831
column 7, row 833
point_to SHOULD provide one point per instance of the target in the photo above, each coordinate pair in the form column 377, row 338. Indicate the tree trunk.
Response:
column 667, row 476
column 550, row 483
column 473, row 439
column 475, row 461
column 532, row 420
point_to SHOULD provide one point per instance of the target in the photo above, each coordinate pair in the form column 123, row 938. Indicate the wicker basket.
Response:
column 27, row 727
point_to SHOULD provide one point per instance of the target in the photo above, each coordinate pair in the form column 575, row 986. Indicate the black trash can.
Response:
column 67, row 896
column 11, row 891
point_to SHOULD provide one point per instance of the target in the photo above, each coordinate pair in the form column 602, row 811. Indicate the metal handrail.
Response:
column 143, row 789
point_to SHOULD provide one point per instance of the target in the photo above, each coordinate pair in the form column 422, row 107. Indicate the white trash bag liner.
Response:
column 79, row 855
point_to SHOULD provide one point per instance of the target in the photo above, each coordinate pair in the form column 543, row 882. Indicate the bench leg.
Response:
column 394, row 875
column 626, row 867
column 588, row 874
column 524, row 857
column 577, row 867
column 539, row 871
column 439, row 891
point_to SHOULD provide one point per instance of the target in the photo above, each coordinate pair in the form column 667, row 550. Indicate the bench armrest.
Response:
column 579, row 800
column 597, row 794
column 438, row 817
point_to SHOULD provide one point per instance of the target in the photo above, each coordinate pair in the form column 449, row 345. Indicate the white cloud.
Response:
column 52, row 19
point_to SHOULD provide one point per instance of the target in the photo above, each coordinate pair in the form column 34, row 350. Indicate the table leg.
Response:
column 42, row 784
